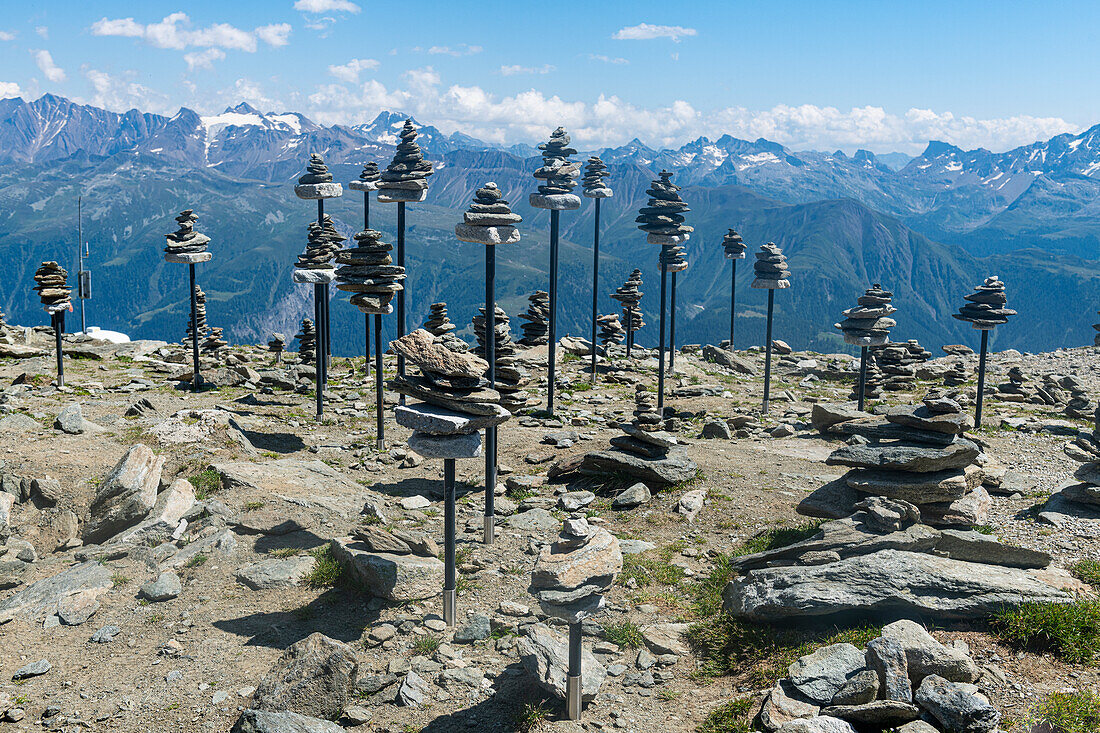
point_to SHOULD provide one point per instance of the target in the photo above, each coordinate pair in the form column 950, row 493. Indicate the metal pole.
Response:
column 573, row 681
column 80, row 256
column 768, row 352
column 595, row 284
column 322, row 321
column 661, row 350
column 491, row 357
column 450, row 582
column 862, row 375
column 981, row 379
column 366, row 345
column 401, row 292
column 58, row 329
column 629, row 332
column 328, row 330
column 196, row 378
column 733, row 300
column 553, row 310
column 380, row 438
column 318, row 354
column 672, row 328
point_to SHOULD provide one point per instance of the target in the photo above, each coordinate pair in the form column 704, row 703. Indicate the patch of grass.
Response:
column 197, row 561
column 118, row 580
column 1088, row 571
column 520, row 494
column 1069, row 630
column 731, row 717
column 154, row 618
column 646, row 570
column 426, row 645
column 532, row 717
column 251, row 506
column 371, row 519
column 327, row 570
column 984, row 529
column 284, row 552
column 625, row 634
column 776, row 537
column 463, row 555
column 466, row 584
column 206, row 483
column 1070, row 712
column 581, row 387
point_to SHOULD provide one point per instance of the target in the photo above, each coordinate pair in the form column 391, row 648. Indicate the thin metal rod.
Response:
column 450, row 580
column 553, row 350
column 58, row 329
column 366, row 209
column 733, row 300
column 196, row 378
column 318, row 354
column 379, row 407
column 672, row 328
column 981, row 379
column 401, row 292
column 80, row 256
column 768, row 351
column 595, row 284
column 573, row 681
column 862, row 388
column 661, row 348
column 328, row 330
column 366, row 345
column 489, row 528
column 629, row 332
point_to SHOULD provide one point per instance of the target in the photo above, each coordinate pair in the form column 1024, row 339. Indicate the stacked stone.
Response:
column 50, row 282
column 307, row 342
column 489, row 220
column 316, row 182
column 185, row 245
column 510, row 376
column 456, row 401
column 630, row 296
column 770, row 268
column 734, row 246
column 986, row 306
column 200, row 316
column 1079, row 405
column 874, row 382
column 440, row 326
column 572, row 574
column 1016, row 388
column 611, row 331
column 367, row 271
column 318, row 253
column 406, row 177
column 918, row 454
column 213, row 343
column 662, row 219
column 956, row 374
column 558, row 175
column 536, row 325
column 899, row 363
column 645, row 450
column 595, row 187
column 1085, row 448
column 869, row 323
column 276, row 344
column 1052, row 392
column 368, row 179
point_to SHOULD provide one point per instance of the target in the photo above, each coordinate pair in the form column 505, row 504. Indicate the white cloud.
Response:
column 175, row 32
column 608, row 59
column 516, row 69
column 122, row 93
column 350, row 71
column 203, row 59
column 647, row 32
column 461, row 49
column 7, row 36
column 9, row 89
column 42, row 31
column 326, row 6
column 45, row 62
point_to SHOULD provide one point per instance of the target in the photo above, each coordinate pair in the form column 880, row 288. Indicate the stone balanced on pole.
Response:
column 51, row 283
column 734, row 248
column 630, row 295
column 489, row 221
column 558, row 175
column 456, row 403
column 866, row 325
column 771, row 273
column 404, row 181
column 595, row 187
column 366, row 182
column 188, row 247
column 985, row 310
column 662, row 219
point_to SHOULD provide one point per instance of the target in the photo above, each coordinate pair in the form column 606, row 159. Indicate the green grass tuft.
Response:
column 532, row 717
column 206, row 483
column 1070, row 712
column 625, row 634
column 426, row 645
column 647, row 570
column 731, row 717
column 776, row 537
column 1088, row 571
column 1069, row 630
column 327, row 570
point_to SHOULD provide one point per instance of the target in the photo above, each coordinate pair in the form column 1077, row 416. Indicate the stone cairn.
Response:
column 770, row 268
column 368, row 179
column 317, row 257
column 1085, row 449
column 1079, row 405
column 644, row 451
column 917, row 454
column 733, row 246
column 1016, row 389
column 489, row 220
column 50, row 282
column 276, row 344
column 595, row 187
column 510, row 376
column 873, row 381
column 869, row 323
column 899, row 363
column 630, row 295
column 536, row 324
column 213, row 343
column 985, row 308
column 368, row 273
column 307, row 342
column 558, row 175
column 956, row 374
column 611, row 331
column 662, row 219
column 405, row 179
column 185, row 245
column 316, row 182
column 200, row 316
column 440, row 326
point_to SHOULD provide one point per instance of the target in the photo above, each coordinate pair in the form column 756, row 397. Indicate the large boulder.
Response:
column 674, row 468
column 261, row 721
column 315, row 676
column 888, row 581
column 390, row 576
column 126, row 495
column 545, row 656
column 821, row 675
column 924, row 655
column 170, row 507
column 956, row 706
column 41, row 598
column 727, row 359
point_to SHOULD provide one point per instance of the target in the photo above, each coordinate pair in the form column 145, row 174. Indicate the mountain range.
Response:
column 930, row 227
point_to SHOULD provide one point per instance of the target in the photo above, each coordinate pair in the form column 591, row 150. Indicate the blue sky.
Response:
column 880, row 75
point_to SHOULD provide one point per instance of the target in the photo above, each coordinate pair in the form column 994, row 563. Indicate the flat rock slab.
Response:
column 393, row 577
column 917, row 488
column 728, row 359
column 889, row 581
column 313, row 191
column 401, row 195
column 921, row 459
column 275, row 572
column 188, row 258
column 673, row 469
column 435, row 420
column 486, row 235
column 261, row 721
column 555, row 201
column 41, row 598
column 315, row 277
column 287, row 476
column 446, row 446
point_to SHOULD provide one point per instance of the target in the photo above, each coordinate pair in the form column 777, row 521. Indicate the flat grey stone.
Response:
column 313, row 191
column 878, row 713
column 923, row 459
column 632, row 496
column 315, row 676
column 887, row 657
column 545, row 656
column 358, row 185
column 42, row 596
column 446, row 446
column 821, row 675
column 188, row 258
column 34, row 669
column 401, row 195
column 275, row 572
column 393, row 577
column 435, row 420
column 955, row 707
column 166, row 587
column 924, row 655
column 125, row 495
column 486, row 235
column 105, row 635
column 316, row 277
column 476, row 628
column 262, row 721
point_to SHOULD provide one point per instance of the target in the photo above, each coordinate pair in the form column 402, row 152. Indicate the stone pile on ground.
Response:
column 307, row 342
column 645, row 451
column 986, row 305
column 1053, row 391
column 733, row 246
column 1016, row 389
column 510, row 376
column 573, row 573
column 1085, row 449
column 406, row 177
column 1079, row 405
column 611, row 331
column 904, row 680
column 185, row 245
column 316, row 182
column 956, row 374
column 368, row 273
column 594, row 183
column 770, row 268
column 869, row 323
column 873, row 382
column 899, row 362
column 50, row 282
column 881, row 559
column 916, row 454
column 630, row 295
column 200, row 317
column 662, row 219
column 368, row 178
column 276, row 344
column 558, row 175
column 213, row 343
column 536, row 326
